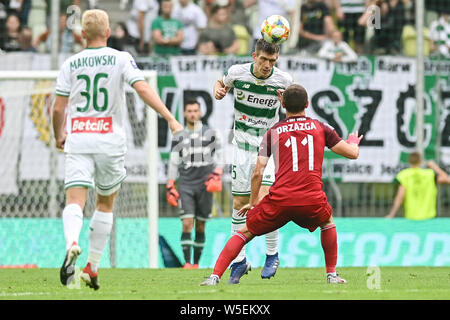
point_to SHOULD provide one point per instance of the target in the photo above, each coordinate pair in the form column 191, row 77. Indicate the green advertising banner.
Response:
column 361, row 241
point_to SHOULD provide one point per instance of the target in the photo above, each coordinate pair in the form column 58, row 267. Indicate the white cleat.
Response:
column 334, row 278
column 212, row 280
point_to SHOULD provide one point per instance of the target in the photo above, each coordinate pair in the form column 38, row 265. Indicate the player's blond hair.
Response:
column 95, row 24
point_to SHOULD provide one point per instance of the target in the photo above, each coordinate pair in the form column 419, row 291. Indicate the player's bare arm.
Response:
column 59, row 107
column 152, row 99
column 397, row 201
column 220, row 90
column 349, row 148
column 442, row 176
column 257, row 178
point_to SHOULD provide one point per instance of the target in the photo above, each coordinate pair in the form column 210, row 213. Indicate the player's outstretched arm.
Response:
column 442, row 176
column 152, row 99
column 58, row 117
column 220, row 90
column 349, row 148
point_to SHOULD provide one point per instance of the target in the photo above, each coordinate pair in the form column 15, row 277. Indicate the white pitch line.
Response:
column 20, row 294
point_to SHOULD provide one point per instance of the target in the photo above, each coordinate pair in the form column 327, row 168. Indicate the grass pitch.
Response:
column 399, row 283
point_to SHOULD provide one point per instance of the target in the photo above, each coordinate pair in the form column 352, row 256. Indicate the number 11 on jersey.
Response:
column 292, row 143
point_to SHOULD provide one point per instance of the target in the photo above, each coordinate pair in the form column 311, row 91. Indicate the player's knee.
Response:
column 239, row 202
column 106, row 203
column 328, row 224
column 187, row 224
column 199, row 226
column 247, row 234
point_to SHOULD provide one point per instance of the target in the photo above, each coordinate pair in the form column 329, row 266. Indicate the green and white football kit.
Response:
column 95, row 116
column 256, row 109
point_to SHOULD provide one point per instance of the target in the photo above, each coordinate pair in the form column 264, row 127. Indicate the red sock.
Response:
column 231, row 250
column 328, row 237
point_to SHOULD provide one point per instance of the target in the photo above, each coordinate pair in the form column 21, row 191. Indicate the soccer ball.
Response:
column 275, row 29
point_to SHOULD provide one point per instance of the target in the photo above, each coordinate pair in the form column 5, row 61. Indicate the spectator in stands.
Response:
column 409, row 32
column 337, row 50
column 194, row 21
column 209, row 4
column 348, row 12
column 22, row 9
column 121, row 40
column 240, row 23
column 417, row 189
column 218, row 37
column 238, row 14
column 238, row 20
column 142, row 13
column 67, row 37
column 387, row 39
column 167, row 33
column 440, row 35
column 9, row 39
column 316, row 25
column 26, row 40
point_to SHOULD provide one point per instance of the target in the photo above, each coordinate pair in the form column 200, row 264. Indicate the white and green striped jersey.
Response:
column 353, row 6
column 256, row 103
column 94, row 81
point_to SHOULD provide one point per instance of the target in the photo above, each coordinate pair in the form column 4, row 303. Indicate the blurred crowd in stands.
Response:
column 337, row 30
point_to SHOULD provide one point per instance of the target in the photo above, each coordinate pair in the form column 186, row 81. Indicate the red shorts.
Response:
column 267, row 216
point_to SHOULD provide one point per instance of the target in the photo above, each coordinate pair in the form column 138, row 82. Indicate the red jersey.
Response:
column 297, row 145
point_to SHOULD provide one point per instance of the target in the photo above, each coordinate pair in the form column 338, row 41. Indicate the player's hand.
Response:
column 175, row 126
column 353, row 138
column 61, row 141
column 214, row 181
column 280, row 94
column 243, row 211
column 172, row 194
column 221, row 92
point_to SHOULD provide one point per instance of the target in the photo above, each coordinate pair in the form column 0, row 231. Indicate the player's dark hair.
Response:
column 295, row 98
column 415, row 158
column 191, row 101
column 269, row 48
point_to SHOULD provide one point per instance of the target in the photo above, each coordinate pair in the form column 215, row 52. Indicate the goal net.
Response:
column 32, row 178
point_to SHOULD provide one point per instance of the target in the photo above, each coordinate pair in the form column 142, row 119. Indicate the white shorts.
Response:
column 242, row 170
column 105, row 172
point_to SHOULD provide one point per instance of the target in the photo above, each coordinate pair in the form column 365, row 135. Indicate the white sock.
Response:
column 237, row 222
column 99, row 231
column 72, row 217
column 272, row 242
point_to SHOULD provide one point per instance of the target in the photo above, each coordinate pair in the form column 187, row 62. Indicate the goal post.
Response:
column 53, row 193
column 152, row 177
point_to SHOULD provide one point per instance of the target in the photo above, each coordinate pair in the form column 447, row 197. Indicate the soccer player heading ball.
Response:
column 297, row 145
column 90, row 85
column 256, row 109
